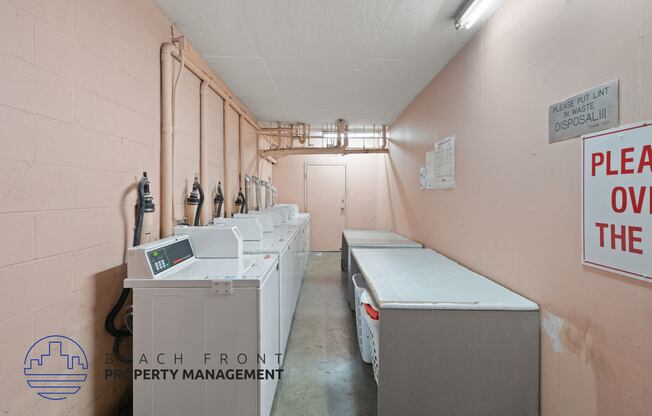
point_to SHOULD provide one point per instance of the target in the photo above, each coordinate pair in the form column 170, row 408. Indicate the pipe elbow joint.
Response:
column 168, row 50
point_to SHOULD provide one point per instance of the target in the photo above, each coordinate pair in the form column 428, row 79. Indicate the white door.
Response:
column 325, row 188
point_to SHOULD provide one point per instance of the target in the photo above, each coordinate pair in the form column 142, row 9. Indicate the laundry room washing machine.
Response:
column 203, row 316
column 280, row 243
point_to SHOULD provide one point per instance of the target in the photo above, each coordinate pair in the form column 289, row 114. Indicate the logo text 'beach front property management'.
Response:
column 55, row 367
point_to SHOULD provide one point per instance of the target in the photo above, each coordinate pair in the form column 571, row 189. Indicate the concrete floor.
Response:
column 323, row 373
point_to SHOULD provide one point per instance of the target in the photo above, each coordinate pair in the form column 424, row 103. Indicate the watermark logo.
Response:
column 55, row 367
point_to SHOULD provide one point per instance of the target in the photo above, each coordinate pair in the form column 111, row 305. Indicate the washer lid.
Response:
column 248, row 271
column 275, row 242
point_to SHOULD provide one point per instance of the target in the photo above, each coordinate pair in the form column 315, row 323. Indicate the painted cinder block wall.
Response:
column 515, row 214
column 79, row 123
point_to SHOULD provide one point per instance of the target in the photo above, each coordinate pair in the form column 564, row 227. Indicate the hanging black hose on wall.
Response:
column 143, row 228
column 194, row 203
column 244, row 202
column 240, row 202
column 219, row 200
column 201, row 200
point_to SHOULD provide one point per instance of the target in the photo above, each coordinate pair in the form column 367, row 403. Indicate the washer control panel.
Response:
column 162, row 258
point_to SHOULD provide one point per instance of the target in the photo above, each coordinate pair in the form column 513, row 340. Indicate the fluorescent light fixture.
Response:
column 472, row 13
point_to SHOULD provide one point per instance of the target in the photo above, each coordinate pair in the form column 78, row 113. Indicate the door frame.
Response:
column 305, row 187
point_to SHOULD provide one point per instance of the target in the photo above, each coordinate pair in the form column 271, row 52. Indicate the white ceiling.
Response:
column 319, row 60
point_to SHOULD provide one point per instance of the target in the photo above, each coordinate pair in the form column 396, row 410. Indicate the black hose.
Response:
column 119, row 334
column 117, row 341
column 110, row 319
column 219, row 199
column 244, row 202
column 140, row 209
column 201, row 202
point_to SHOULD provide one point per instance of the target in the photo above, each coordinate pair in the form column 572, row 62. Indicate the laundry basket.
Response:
column 371, row 316
column 360, row 288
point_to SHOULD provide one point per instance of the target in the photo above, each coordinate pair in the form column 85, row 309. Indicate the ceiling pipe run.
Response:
column 342, row 134
column 268, row 130
column 294, row 131
column 318, row 151
column 334, row 139
column 268, row 158
column 384, row 145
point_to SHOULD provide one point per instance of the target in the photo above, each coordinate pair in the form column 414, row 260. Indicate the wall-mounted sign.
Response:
column 422, row 177
column 440, row 165
column 588, row 112
column 617, row 200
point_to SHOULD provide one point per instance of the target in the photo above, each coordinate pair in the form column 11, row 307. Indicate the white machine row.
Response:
column 216, row 295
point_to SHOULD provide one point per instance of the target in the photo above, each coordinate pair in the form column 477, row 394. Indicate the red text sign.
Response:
column 617, row 200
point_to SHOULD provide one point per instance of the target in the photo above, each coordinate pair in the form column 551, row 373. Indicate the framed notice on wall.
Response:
column 440, row 165
column 617, row 200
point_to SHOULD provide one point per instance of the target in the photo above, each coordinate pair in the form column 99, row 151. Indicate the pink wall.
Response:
column 365, row 186
column 233, row 161
column 79, row 111
column 215, row 136
column 188, row 138
column 249, row 150
column 515, row 214
column 264, row 166
column 79, row 123
column 251, row 163
column 186, row 157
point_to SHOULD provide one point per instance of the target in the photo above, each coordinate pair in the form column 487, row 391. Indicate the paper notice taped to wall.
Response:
column 422, row 177
column 440, row 165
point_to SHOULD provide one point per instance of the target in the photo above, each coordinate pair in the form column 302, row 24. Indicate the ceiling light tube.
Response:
column 472, row 13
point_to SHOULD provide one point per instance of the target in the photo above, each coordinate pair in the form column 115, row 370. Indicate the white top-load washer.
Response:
column 289, row 239
column 251, row 228
column 282, row 243
column 266, row 220
column 200, row 328
column 289, row 212
column 278, row 218
column 294, row 208
column 282, row 213
column 301, row 221
column 291, row 244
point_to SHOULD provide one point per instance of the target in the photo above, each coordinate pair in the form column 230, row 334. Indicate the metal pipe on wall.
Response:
column 228, row 202
column 318, row 151
column 268, row 159
column 225, row 95
column 384, row 145
column 257, row 158
column 203, row 144
column 232, row 165
column 265, row 130
column 342, row 134
column 241, row 166
column 168, row 50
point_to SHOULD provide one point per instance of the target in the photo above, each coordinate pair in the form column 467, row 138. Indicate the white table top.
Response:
column 369, row 238
column 424, row 279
